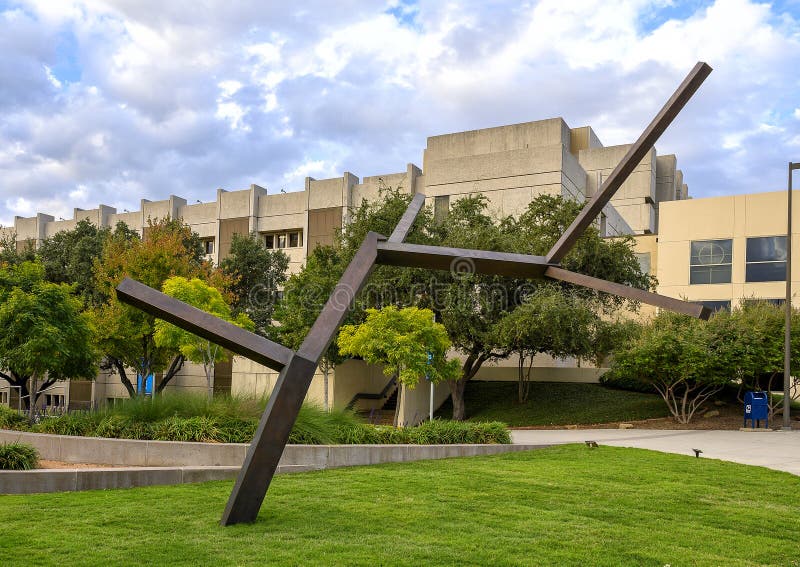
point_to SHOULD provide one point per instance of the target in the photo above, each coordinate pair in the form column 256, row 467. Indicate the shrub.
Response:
column 11, row 419
column 620, row 381
column 18, row 457
column 80, row 423
column 446, row 432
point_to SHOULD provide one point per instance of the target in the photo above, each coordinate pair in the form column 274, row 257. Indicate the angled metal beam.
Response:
column 233, row 338
column 628, row 292
column 407, row 220
column 290, row 390
column 625, row 167
column 461, row 260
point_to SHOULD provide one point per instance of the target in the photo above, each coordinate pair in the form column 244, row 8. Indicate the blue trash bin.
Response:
column 756, row 408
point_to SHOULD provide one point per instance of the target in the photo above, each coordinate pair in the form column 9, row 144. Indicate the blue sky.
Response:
column 109, row 101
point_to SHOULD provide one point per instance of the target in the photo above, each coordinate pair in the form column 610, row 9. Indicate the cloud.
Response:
column 112, row 101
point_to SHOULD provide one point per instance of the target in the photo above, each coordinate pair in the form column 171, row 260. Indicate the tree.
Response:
column 682, row 358
column 553, row 322
column 473, row 305
column 256, row 273
column 126, row 334
column 45, row 336
column 407, row 342
column 68, row 257
column 304, row 295
column 13, row 253
column 196, row 349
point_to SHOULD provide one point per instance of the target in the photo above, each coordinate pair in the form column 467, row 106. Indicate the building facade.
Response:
column 510, row 165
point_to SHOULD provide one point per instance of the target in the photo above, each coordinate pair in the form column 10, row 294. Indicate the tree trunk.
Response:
column 470, row 367
column 174, row 367
column 209, row 368
column 119, row 368
column 32, row 402
column 325, row 372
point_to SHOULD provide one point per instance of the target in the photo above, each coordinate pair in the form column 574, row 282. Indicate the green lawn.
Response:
column 567, row 505
column 552, row 403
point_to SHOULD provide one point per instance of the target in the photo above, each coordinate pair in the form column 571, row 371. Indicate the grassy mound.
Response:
column 567, row 505
column 552, row 403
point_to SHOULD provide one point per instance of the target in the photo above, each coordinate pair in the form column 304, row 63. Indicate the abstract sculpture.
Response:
column 297, row 368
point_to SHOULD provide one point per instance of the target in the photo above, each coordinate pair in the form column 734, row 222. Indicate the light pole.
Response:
column 787, row 347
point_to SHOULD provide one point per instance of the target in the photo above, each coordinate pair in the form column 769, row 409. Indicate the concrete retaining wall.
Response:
column 129, row 452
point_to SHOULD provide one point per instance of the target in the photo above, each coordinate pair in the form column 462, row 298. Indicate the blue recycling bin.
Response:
column 756, row 408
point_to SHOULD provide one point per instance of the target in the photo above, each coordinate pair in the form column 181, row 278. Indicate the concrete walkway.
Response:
column 779, row 450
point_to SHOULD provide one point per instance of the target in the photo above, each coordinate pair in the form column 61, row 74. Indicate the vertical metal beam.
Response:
column 625, row 167
column 291, row 388
column 787, row 346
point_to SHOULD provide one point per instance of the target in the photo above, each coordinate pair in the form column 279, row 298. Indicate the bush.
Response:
column 18, row 457
column 619, row 381
column 79, row 423
column 11, row 419
column 437, row 432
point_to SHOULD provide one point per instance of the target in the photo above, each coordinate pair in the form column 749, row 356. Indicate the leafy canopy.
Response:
column 199, row 294
column 401, row 340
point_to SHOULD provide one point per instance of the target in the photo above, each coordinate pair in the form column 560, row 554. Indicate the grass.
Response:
column 18, row 457
column 566, row 505
column 186, row 417
column 553, row 403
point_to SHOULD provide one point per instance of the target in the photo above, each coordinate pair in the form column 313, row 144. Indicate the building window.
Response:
column 208, row 245
column 54, row 400
column 441, row 206
column 710, row 261
column 766, row 259
column 644, row 261
column 770, row 300
column 716, row 305
column 287, row 239
column 4, row 398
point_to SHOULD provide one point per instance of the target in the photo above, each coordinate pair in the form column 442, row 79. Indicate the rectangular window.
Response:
column 208, row 246
column 288, row 239
column 441, row 206
column 716, row 305
column 710, row 261
column 281, row 241
column 770, row 300
column 644, row 261
column 294, row 239
column 766, row 259
column 269, row 241
column 4, row 398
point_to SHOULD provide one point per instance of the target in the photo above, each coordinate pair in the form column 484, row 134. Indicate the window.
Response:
column 602, row 225
column 53, row 400
column 644, row 261
column 4, row 398
column 766, row 259
column 208, row 245
column 773, row 301
column 710, row 261
column 288, row 239
column 716, row 305
column 441, row 206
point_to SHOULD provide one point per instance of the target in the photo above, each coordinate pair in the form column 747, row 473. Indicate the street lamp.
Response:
column 787, row 347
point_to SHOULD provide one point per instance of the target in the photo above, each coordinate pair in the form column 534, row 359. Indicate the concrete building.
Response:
column 510, row 165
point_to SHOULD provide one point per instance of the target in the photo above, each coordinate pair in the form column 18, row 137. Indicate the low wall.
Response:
column 130, row 452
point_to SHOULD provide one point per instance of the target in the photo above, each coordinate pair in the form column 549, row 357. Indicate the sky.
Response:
column 111, row 101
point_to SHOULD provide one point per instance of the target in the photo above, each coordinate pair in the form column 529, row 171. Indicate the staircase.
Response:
column 385, row 414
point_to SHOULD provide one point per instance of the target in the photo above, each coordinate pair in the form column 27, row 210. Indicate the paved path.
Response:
column 779, row 450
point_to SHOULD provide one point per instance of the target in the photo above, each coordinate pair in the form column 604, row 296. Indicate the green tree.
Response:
column 13, row 252
column 553, row 322
column 407, row 342
column 45, row 336
column 196, row 349
column 256, row 273
column 125, row 334
column 69, row 256
column 304, row 295
column 682, row 358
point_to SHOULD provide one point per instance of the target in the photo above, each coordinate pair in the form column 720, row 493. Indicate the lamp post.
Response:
column 787, row 347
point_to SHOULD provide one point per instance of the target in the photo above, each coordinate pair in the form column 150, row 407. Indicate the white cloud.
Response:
column 182, row 100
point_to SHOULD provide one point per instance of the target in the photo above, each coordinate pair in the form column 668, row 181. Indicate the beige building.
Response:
column 509, row 164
